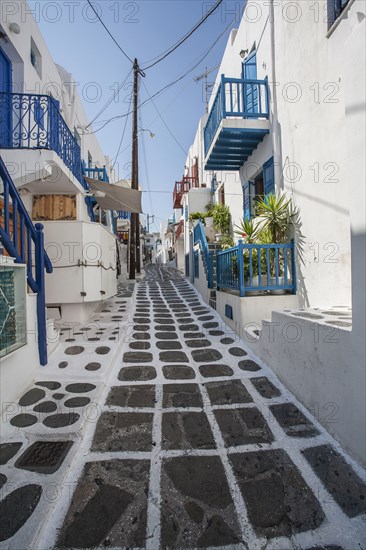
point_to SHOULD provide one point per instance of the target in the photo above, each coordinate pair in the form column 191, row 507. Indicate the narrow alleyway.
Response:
column 155, row 427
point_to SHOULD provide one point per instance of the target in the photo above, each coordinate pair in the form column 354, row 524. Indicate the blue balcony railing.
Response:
column 123, row 215
column 238, row 98
column 257, row 268
column 200, row 238
column 25, row 243
column 32, row 121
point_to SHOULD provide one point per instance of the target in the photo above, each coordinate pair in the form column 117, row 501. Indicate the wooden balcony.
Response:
column 182, row 187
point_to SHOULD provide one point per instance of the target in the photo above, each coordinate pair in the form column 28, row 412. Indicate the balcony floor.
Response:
column 234, row 142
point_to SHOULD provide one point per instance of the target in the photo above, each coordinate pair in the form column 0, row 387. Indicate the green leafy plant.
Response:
column 209, row 209
column 277, row 215
column 221, row 218
column 248, row 230
column 226, row 242
column 197, row 216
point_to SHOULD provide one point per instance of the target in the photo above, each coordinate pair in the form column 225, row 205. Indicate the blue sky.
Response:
column 144, row 29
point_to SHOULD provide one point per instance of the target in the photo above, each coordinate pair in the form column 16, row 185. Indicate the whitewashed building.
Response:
column 46, row 150
column 287, row 115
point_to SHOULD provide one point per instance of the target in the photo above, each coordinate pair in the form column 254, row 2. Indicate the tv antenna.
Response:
column 208, row 85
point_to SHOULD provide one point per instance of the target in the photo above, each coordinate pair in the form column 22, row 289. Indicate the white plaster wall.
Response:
column 70, row 242
column 54, row 80
column 201, row 282
column 356, row 146
column 322, row 368
column 250, row 311
column 17, row 369
column 312, row 80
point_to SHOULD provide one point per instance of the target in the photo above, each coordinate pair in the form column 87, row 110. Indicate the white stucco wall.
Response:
column 69, row 243
column 313, row 76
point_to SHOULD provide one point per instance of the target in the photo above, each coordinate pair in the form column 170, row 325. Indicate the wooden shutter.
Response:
column 246, row 200
column 268, row 177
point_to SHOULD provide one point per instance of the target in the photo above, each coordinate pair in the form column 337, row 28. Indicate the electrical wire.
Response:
column 165, row 54
column 109, row 101
column 108, row 31
column 163, row 121
column 122, row 137
column 145, row 166
column 167, row 86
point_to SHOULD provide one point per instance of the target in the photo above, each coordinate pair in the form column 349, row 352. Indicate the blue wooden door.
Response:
column 250, row 91
column 5, row 99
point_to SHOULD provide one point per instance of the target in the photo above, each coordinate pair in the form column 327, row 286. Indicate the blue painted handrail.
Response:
column 200, row 238
column 25, row 242
column 238, row 98
column 34, row 121
column 257, row 267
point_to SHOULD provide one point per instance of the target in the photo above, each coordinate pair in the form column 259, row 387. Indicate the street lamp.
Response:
column 146, row 130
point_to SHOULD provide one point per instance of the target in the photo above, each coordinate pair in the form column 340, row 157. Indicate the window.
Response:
column 263, row 184
column 36, row 58
column 335, row 8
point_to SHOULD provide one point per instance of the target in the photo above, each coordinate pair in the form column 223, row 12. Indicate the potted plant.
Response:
column 248, row 230
column 221, row 220
column 209, row 213
column 197, row 216
column 277, row 215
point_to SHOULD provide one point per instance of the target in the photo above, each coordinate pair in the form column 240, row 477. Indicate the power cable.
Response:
column 108, row 31
column 163, row 121
column 106, row 105
column 185, row 37
column 122, row 137
column 167, row 86
column 145, row 166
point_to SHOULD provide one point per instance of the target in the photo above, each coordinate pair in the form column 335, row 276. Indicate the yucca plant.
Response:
column 248, row 230
column 276, row 214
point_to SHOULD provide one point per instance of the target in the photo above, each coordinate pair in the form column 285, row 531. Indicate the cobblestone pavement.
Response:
column 155, row 427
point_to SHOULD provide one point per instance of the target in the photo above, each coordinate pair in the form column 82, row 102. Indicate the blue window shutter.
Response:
column 246, row 200
column 268, row 177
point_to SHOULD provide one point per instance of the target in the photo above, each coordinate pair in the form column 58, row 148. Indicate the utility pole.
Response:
column 135, row 264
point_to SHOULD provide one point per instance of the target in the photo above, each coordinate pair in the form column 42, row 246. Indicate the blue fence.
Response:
column 237, row 98
column 200, row 238
column 33, row 121
column 123, row 215
column 25, row 242
column 256, row 268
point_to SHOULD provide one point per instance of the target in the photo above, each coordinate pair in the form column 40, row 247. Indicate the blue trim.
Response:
column 246, row 200
column 238, row 267
column 34, row 121
column 232, row 101
column 268, row 177
column 199, row 237
column 29, row 243
column 229, row 312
